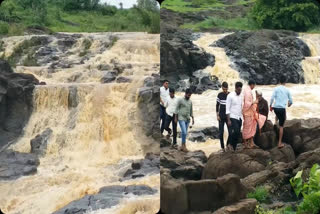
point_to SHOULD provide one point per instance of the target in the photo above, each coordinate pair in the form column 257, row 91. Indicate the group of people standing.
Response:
column 235, row 109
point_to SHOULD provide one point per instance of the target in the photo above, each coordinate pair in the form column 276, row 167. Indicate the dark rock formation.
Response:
column 140, row 168
column 302, row 135
column 181, row 165
column 107, row 197
column 15, row 102
column 244, row 206
column 148, row 107
column 39, row 143
column 201, row 195
column 180, row 58
column 16, row 164
column 202, row 135
column 265, row 55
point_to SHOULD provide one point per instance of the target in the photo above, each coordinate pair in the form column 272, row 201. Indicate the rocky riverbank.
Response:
column 220, row 183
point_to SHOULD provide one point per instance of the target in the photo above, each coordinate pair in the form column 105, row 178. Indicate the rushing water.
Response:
column 306, row 98
column 94, row 136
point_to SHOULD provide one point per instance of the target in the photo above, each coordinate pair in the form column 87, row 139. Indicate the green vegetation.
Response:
column 17, row 16
column 309, row 190
column 299, row 15
column 261, row 194
column 239, row 23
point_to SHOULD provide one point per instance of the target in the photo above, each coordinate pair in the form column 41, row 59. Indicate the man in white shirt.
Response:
column 234, row 114
column 164, row 94
column 171, row 106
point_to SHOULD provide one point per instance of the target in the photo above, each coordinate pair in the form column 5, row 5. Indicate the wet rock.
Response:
column 197, row 137
column 182, row 165
column 306, row 160
column 140, row 168
column 16, row 164
column 285, row 154
column 256, row 55
column 39, row 143
column 202, row 135
column 123, row 80
column 148, row 108
column 179, row 56
column 15, row 101
column 110, row 76
column 267, row 140
column 245, row 206
column 107, row 197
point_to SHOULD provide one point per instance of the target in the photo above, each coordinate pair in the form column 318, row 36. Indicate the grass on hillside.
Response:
column 84, row 21
column 240, row 23
column 183, row 6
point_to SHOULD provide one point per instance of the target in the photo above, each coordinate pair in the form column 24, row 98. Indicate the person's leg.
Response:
column 162, row 118
column 221, row 131
column 236, row 134
column 282, row 118
column 182, row 125
column 167, row 124
column 229, row 135
column 174, row 129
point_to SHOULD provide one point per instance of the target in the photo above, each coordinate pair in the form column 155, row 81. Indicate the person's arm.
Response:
column 191, row 114
column 272, row 99
column 176, row 111
column 218, row 108
column 290, row 99
column 228, row 106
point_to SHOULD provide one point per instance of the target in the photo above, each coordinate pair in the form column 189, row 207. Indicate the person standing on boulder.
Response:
column 234, row 114
column 281, row 95
column 171, row 106
column 262, row 110
column 250, row 115
column 164, row 94
column 184, row 112
column 221, row 113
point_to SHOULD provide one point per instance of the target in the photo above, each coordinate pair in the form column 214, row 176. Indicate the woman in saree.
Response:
column 250, row 116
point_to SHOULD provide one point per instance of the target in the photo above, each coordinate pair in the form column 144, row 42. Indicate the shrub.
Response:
column 261, row 194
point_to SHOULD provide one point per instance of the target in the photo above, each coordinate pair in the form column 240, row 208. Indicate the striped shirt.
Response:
column 221, row 104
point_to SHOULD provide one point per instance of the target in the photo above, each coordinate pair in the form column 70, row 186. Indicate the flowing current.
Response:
column 95, row 127
column 305, row 96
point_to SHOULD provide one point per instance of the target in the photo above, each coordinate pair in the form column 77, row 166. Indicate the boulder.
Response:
column 245, row 206
column 302, row 135
column 16, row 164
column 197, row 136
column 39, row 143
column 110, row 76
column 200, row 195
column 106, row 197
column 285, row 154
column 179, row 57
column 123, row 80
column 141, row 168
column 241, row 164
column 16, row 97
column 182, row 165
column 256, row 55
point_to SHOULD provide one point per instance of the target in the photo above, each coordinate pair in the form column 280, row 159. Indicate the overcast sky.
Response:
column 126, row 3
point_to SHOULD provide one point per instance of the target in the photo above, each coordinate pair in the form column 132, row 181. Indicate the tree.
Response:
column 150, row 5
column 296, row 15
column 121, row 5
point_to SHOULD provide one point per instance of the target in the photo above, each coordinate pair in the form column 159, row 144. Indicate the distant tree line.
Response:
column 298, row 15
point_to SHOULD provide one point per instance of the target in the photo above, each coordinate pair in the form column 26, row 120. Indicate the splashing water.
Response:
column 94, row 136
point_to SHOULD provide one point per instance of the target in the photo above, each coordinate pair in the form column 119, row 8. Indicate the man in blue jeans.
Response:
column 281, row 95
column 183, row 113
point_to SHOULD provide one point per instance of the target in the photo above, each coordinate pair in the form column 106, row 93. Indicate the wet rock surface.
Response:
column 265, row 55
column 141, row 168
column 16, row 164
column 15, row 101
column 106, row 197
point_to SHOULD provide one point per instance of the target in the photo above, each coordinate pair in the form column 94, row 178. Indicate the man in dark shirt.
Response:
column 263, row 110
column 221, row 112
